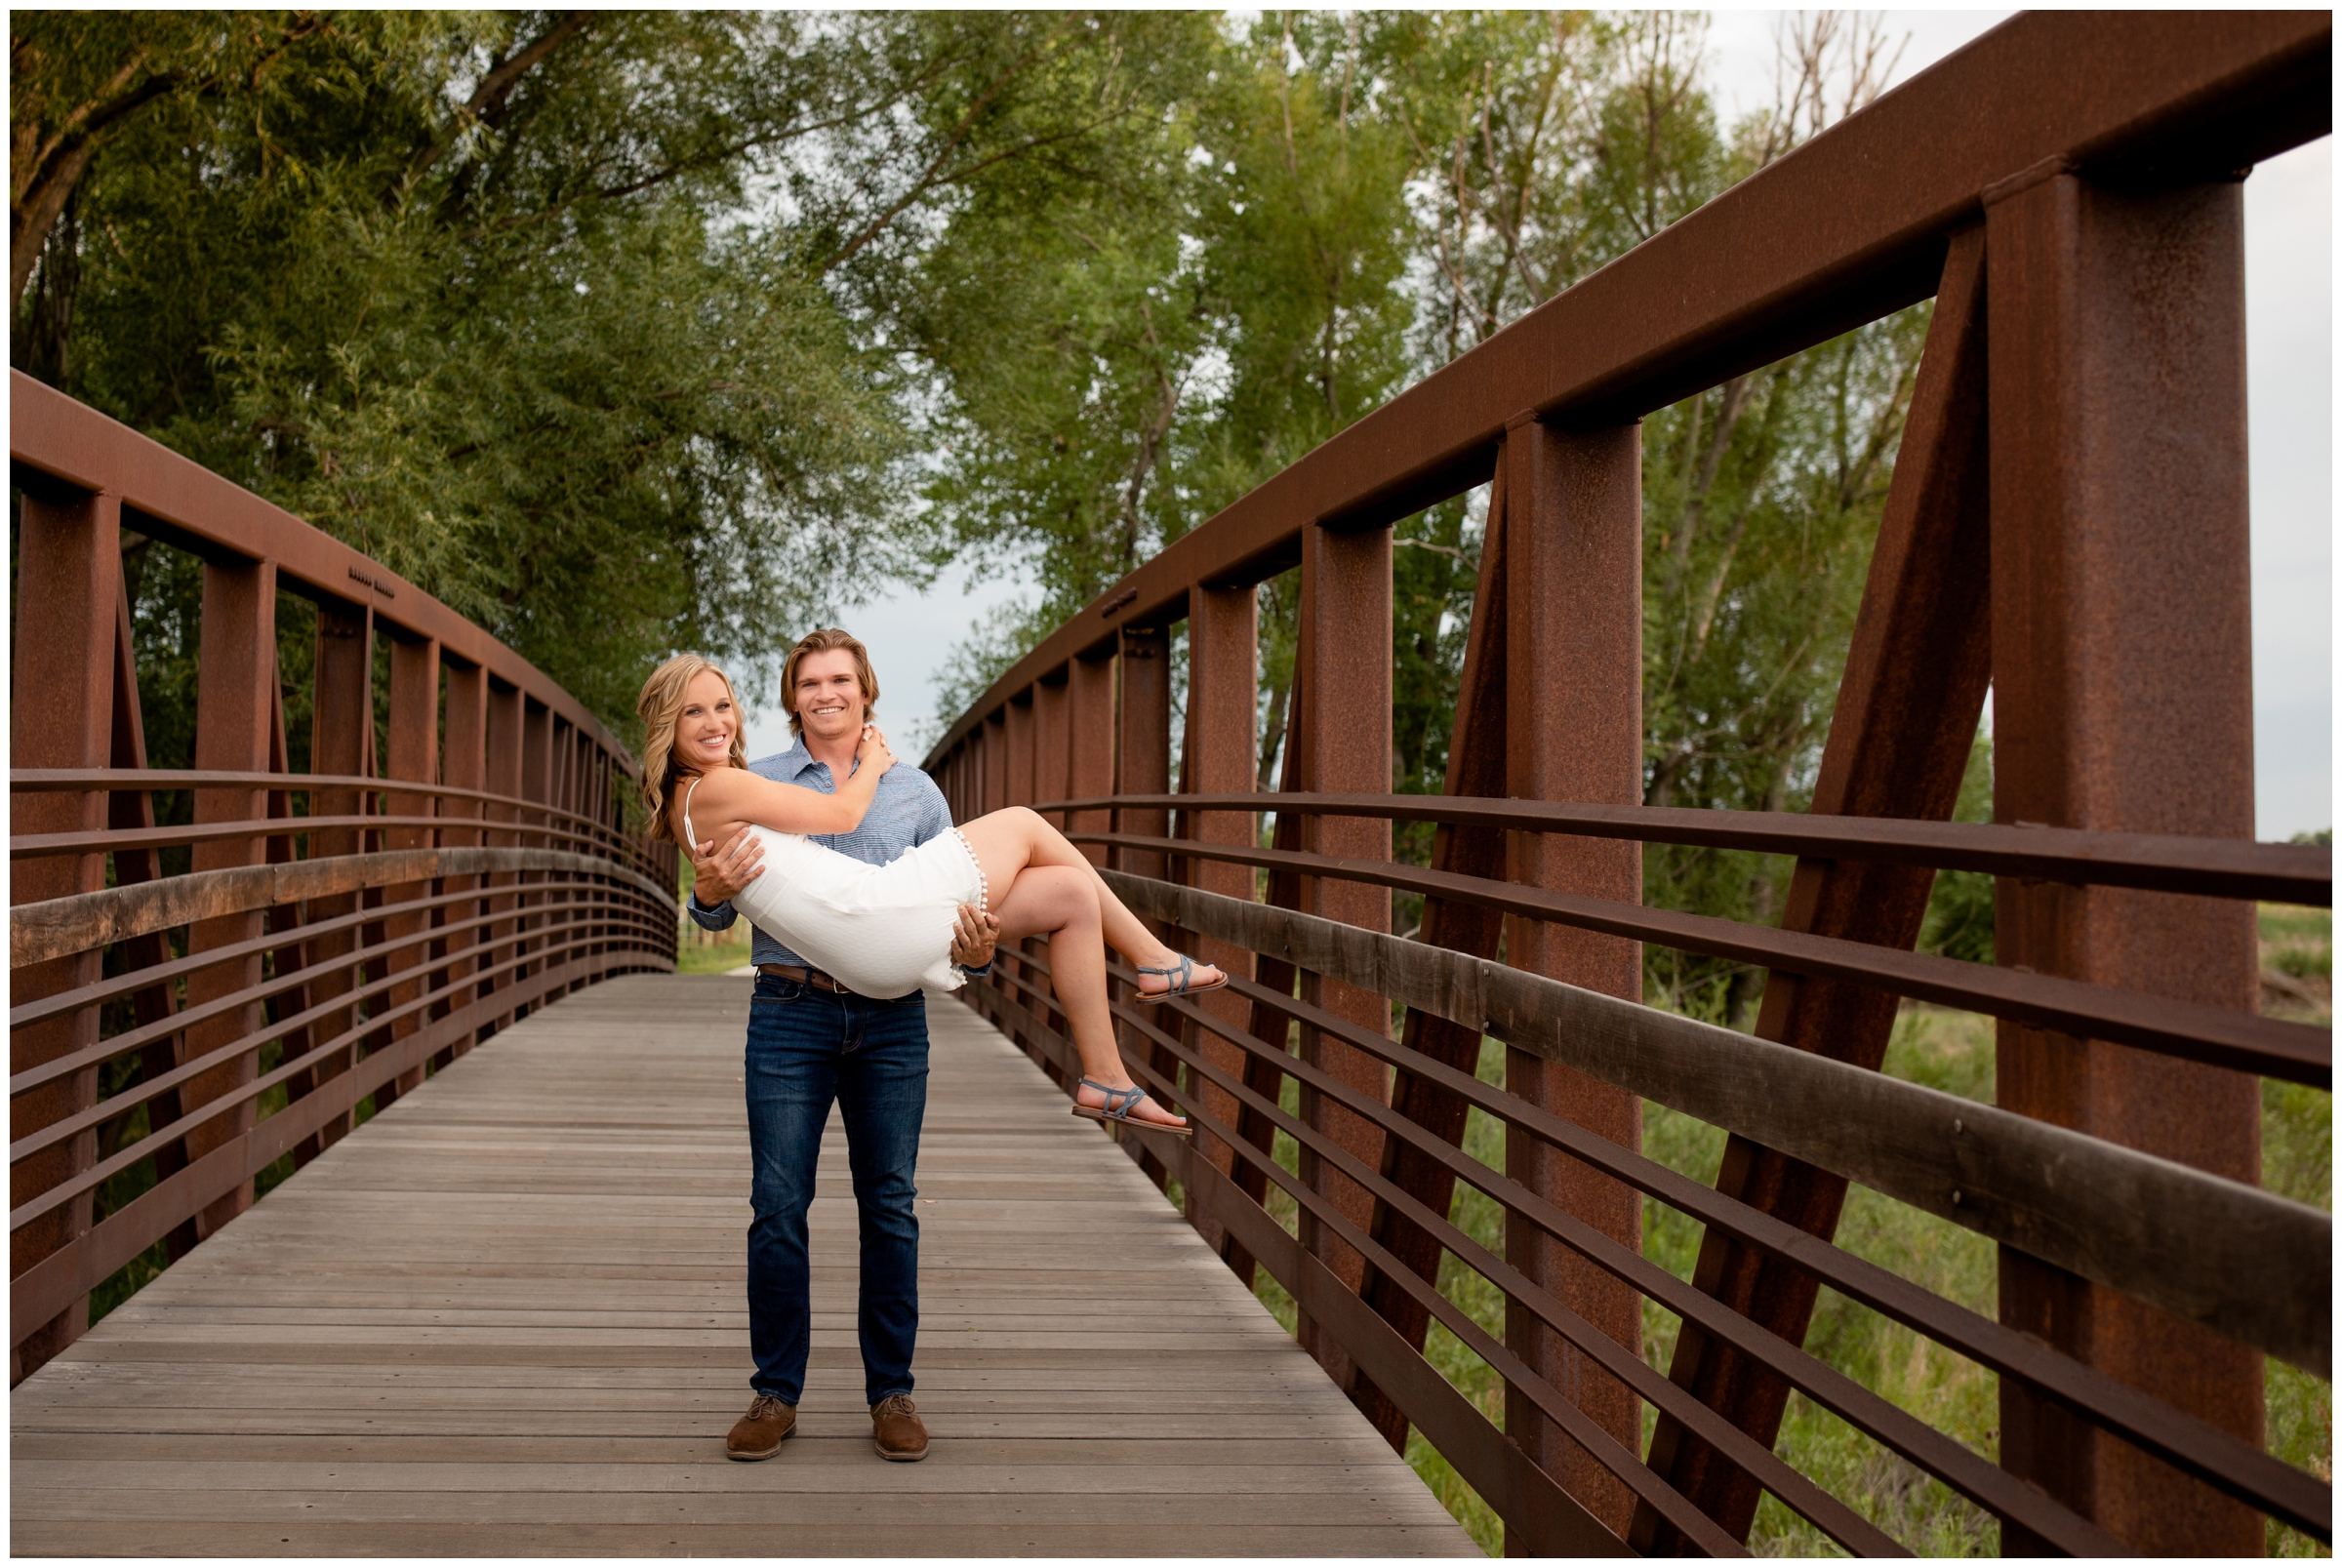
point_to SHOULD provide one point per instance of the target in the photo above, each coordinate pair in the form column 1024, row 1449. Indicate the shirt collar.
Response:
column 794, row 761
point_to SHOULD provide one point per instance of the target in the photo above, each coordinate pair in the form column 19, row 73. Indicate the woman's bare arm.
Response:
column 729, row 796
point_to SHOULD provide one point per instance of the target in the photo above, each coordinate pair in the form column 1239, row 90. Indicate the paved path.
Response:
column 506, row 1318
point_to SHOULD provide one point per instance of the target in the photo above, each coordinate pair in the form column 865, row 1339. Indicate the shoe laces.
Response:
column 767, row 1404
column 895, row 1404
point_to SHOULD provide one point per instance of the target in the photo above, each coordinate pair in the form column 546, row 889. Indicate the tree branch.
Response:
column 959, row 133
column 488, row 101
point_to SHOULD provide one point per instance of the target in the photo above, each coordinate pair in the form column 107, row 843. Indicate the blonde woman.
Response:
column 886, row 930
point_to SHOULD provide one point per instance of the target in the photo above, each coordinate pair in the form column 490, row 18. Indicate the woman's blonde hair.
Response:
column 661, row 706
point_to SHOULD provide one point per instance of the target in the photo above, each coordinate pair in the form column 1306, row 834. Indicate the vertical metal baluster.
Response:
column 1222, row 690
column 1052, row 769
column 132, row 810
column 234, row 698
column 507, row 752
column 1143, row 767
column 536, row 786
column 1090, row 760
column 68, row 565
column 414, row 754
column 340, row 745
column 1016, row 738
column 1573, row 683
column 1476, row 767
column 1341, row 673
column 464, row 767
column 2122, row 679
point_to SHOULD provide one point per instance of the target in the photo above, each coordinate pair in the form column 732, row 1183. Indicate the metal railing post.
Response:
column 2121, row 662
column 1222, row 690
column 1341, row 740
column 465, row 766
column 69, row 563
column 414, row 753
column 1573, row 731
column 235, row 696
column 340, row 743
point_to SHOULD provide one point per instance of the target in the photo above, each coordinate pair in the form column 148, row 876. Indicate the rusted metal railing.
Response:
column 337, row 934
column 2067, row 526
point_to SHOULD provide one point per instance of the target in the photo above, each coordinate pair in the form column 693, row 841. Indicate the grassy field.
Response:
column 707, row 953
column 701, row 951
column 1951, row 1052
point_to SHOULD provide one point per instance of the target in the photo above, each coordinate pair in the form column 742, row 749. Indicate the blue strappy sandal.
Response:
column 1120, row 1103
column 1182, row 982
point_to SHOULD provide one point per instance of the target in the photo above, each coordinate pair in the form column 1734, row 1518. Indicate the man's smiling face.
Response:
column 828, row 695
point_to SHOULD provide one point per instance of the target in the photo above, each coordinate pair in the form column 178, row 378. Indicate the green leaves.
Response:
column 586, row 322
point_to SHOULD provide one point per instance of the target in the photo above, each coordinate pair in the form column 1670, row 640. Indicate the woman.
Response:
column 884, row 931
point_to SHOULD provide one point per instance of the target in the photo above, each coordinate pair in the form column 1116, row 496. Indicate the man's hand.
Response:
column 722, row 872
column 972, row 938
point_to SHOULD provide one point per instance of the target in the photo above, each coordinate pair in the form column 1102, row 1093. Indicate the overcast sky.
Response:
column 2288, row 239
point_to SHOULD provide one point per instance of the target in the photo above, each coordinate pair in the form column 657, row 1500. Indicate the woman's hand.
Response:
column 874, row 752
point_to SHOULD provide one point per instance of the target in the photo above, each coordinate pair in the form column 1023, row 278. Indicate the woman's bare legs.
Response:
column 1040, row 885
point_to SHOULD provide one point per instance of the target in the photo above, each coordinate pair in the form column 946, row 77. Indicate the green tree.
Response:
column 579, row 319
column 1198, row 319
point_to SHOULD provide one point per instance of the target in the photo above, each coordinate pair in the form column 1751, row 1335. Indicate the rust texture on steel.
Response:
column 2066, row 525
column 336, row 935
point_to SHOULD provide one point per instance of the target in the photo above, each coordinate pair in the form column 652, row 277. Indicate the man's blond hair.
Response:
column 822, row 642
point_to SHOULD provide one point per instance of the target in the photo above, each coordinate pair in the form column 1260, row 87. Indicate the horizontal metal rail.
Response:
column 2196, row 1447
column 78, row 1268
column 614, row 921
column 2252, row 1265
column 528, row 818
column 104, row 841
column 2190, row 1031
column 2215, row 867
column 1984, row 1483
column 83, row 922
column 582, row 930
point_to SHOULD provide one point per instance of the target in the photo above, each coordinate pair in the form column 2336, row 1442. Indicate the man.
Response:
column 812, row 1042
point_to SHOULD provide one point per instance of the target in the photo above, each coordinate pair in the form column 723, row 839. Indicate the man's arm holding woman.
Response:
column 976, row 931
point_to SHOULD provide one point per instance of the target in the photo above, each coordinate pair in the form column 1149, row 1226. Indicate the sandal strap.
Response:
column 1185, row 969
column 1129, row 1096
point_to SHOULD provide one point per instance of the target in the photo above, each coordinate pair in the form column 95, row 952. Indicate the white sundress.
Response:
column 878, row 930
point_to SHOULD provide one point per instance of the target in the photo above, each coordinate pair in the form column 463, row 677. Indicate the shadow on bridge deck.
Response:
column 506, row 1317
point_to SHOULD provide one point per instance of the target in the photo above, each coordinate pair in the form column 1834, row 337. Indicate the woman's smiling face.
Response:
column 704, row 729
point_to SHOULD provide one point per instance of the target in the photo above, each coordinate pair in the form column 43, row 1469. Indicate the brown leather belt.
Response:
column 805, row 977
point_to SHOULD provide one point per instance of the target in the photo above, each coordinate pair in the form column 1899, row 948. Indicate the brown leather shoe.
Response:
column 897, row 1429
column 758, row 1433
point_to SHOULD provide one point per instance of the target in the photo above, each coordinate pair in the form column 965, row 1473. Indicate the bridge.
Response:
column 420, row 993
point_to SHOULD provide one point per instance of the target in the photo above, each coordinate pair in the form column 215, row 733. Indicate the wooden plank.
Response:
column 809, row 1536
column 542, row 1339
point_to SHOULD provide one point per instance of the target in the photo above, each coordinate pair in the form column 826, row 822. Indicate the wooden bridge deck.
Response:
column 506, row 1318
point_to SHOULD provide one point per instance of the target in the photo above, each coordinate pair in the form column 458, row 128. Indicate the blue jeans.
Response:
column 808, row 1047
